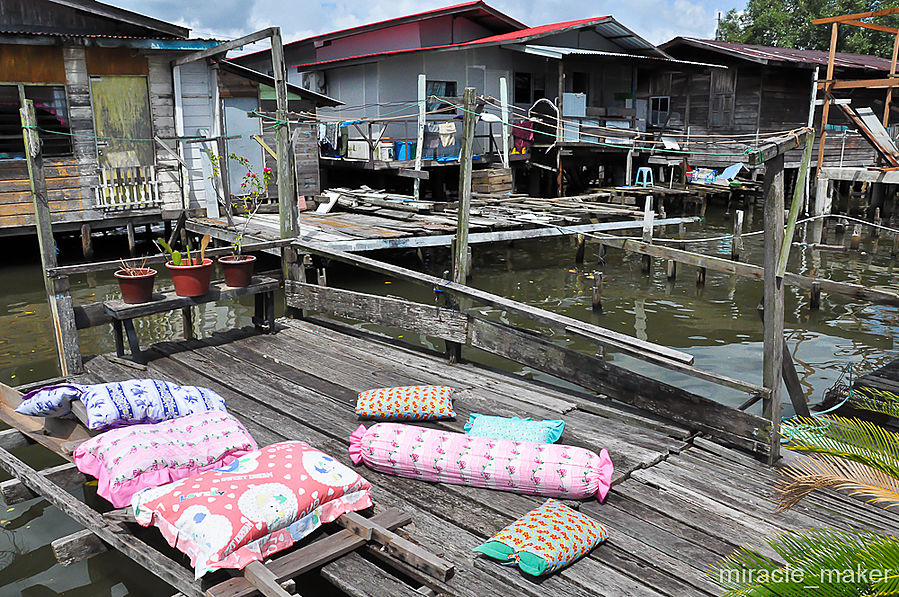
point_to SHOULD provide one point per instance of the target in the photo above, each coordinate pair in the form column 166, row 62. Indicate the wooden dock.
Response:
column 678, row 503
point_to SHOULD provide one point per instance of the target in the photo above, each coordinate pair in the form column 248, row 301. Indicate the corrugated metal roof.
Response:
column 771, row 53
column 605, row 26
column 558, row 52
column 8, row 31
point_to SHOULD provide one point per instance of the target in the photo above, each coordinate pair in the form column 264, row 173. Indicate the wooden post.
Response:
column 504, row 114
column 597, row 291
column 823, row 196
column 700, row 276
column 773, row 299
column 581, row 246
column 87, row 248
column 287, row 192
column 736, row 248
column 875, row 232
column 132, row 243
column 187, row 322
column 815, row 299
column 828, row 84
column 671, row 269
column 465, row 155
column 810, row 124
column 420, row 133
column 62, row 313
column 795, row 206
column 889, row 100
column 629, row 168
column 856, row 237
column 894, row 250
column 224, row 170
column 648, row 216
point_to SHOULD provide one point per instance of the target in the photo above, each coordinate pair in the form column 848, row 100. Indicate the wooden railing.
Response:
column 536, row 350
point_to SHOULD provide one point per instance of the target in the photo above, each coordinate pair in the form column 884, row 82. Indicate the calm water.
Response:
column 716, row 323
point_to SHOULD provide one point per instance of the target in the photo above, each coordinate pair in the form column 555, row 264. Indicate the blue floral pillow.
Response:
column 122, row 403
column 514, row 428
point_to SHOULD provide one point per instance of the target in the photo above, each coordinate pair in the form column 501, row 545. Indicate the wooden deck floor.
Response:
column 677, row 505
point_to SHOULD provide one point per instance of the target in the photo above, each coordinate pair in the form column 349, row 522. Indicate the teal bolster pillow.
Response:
column 515, row 429
column 545, row 539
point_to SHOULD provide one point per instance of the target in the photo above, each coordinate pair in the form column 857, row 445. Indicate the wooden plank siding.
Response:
column 71, row 179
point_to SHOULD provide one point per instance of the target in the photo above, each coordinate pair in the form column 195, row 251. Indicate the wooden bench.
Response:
column 123, row 314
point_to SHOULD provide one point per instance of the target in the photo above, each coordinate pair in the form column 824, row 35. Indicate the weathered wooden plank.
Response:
column 696, row 412
column 155, row 562
column 358, row 577
column 64, row 475
column 77, row 547
column 417, row 317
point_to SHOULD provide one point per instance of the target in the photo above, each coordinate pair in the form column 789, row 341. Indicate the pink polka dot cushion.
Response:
column 410, row 403
column 550, row 470
column 257, row 505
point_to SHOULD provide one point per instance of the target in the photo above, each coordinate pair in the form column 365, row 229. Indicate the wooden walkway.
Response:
column 678, row 503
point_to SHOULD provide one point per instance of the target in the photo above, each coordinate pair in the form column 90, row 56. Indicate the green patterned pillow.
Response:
column 515, row 429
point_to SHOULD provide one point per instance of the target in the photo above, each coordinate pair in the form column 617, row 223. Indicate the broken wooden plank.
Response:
column 65, row 475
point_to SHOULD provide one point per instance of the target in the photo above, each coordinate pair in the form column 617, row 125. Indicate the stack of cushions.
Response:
column 122, row 403
column 513, row 428
column 550, row 470
column 545, row 539
column 410, row 403
column 259, row 504
column 129, row 459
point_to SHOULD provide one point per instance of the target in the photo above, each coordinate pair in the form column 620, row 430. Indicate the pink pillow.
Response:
column 129, row 459
column 261, row 503
column 550, row 470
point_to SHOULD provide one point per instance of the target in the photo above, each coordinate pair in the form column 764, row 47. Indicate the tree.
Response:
column 788, row 24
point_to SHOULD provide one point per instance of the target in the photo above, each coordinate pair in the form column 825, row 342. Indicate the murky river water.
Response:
column 717, row 323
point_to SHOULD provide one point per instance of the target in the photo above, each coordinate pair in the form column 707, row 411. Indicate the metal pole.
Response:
column 420, row 137
column 504, row 114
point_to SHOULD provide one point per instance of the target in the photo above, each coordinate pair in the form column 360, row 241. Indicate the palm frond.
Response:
column 875, row 400
column 853, row 439
column 817, row 471
column 816, row 563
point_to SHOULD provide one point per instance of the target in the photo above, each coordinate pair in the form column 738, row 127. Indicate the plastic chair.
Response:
column 644, row 177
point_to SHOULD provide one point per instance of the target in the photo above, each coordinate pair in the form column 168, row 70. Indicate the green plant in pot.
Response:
column 136, row 283
column 191, row 275
column 238, row 267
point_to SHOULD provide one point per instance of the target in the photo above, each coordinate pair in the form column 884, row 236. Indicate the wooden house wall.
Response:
column 71, row 179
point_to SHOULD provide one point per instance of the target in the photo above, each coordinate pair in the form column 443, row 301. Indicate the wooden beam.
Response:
column 859, row 83
column 427, row 320
column 795, row 206
column 155, row 562
column 773, row 301
column 288, row 210
column 855, row 16
column 420, row 133
column 747, row 270
column 776, row 147
column 225, row 47
column 65, row 475
column 62, row 314
column 828, row 85
column 889, row 100
column 872, row 26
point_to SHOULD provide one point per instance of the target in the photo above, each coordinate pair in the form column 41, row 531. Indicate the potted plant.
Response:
column 136, row 283
column 237, row 267
column 191, row 276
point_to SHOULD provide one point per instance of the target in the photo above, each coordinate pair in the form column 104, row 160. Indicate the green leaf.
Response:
column 164, row 246
column 176, row 257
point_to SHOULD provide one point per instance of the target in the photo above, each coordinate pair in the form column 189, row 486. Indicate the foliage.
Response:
column 847, row 454
column 177, row 258
column 788, row 24
column 253, row 189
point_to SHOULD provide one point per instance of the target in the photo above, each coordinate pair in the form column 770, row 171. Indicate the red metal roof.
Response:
column 486, row 9
column 775, row 54
column 521, row 34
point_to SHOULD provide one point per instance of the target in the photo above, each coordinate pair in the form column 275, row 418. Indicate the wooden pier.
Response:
column 679, row 502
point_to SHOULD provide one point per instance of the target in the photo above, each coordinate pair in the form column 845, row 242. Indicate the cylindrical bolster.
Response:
column 524, row 467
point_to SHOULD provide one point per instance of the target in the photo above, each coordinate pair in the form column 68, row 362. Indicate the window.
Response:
column 522, row 91
column 580, row 82
column 440, row 89
column 52, row 114
column 539, row 87
column 659, row 109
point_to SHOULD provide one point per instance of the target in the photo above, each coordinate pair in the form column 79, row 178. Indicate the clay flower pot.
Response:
column 136, row 284
column 191, row 280
column 238, row 269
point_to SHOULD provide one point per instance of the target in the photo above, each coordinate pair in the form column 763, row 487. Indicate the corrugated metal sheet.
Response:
column 770, row 53
column 8, row 31
column 557, row 52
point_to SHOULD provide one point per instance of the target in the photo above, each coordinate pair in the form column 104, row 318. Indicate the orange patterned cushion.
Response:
column 410, row 403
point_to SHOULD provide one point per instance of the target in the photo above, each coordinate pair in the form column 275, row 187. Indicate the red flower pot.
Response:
column 191, row 280
column 137, row 286
column 238, row 269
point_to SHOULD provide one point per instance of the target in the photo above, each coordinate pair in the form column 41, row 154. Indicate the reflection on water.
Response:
column 717, row 323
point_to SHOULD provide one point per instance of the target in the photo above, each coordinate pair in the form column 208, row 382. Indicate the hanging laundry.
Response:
column 447, row 132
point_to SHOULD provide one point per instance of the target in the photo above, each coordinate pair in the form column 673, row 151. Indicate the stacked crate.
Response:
column 492, row 180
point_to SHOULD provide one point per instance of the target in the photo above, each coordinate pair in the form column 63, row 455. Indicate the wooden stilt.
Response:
column 187, row 322
column 815, row 298
column 700, row 276
column 87, row 248
column 875, row 232
column 856, row 238
column 671, row 269
column 597, row 291
column 132, row 243
column 773, row 301
column 648, row 217
column 736, row 248
column 581, row 246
